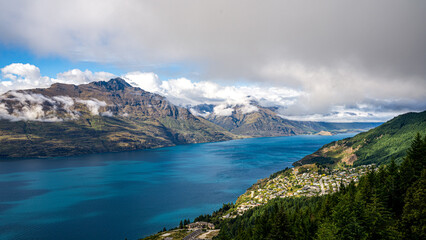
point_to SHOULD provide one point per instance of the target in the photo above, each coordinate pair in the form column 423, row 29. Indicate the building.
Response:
column 200, row 225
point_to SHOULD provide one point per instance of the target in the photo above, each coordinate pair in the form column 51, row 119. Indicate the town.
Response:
column 302, row 181
column 307, row 181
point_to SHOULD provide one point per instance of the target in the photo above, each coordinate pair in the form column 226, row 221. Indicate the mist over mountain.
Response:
column 258, row 121
column 67, row 119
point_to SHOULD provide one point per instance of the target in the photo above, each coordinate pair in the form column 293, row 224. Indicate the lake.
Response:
column 134, row 194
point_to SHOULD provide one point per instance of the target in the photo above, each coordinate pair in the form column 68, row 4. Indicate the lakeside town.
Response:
column 307, row 181
column 303, row 181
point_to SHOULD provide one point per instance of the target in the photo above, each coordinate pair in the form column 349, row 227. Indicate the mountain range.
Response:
column 264, row 122
column 67, row 119
column 96, row 117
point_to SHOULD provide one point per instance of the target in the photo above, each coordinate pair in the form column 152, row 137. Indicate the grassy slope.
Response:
column 378, row 145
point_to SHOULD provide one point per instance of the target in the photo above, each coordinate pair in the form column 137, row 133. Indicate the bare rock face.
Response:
column 67, row 119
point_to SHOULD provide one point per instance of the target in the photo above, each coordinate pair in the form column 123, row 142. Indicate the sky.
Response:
column 332, row 60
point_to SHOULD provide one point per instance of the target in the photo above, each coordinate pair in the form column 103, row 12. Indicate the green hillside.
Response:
column 378, row 145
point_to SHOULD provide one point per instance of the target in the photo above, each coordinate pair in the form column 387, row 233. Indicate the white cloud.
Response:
column 223, row 110
column 65, row 100
column 343, row 89
column 35, row 107
column 248, row 109
column 197, row 113
column 288, row 44
column 341, row 114
column 23, row 106
column 328, row 99
column 184, row 92
column 147, row 81
column 22, row 76
column 18, row 76
column 107, row 114
column 76, row 76
column 93, row 105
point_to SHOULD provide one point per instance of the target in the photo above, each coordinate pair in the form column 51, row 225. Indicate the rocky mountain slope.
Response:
column 264, row 122
column 378, row 145
column 97, row 117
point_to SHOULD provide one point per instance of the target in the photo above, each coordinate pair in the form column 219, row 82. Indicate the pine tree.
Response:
column 281, row 227
column 377, row 220
column 415, row 160
column 327, row 231
column 414, row 214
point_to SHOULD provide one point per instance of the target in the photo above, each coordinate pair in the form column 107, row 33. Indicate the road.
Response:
column 193, row 235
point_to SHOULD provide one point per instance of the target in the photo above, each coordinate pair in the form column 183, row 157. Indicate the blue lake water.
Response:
column 134, row 194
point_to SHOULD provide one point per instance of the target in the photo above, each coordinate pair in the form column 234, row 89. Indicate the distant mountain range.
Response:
column 264, row 122
column 379, row 145
column 66, row 119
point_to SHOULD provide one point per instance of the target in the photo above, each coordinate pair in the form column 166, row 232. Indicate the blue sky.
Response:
column 51, row 64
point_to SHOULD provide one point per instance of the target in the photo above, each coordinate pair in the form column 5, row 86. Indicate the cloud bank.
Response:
column 23, row 106
column 231, row 39
column 361, row 56
column 26, row 76
column 326, row 100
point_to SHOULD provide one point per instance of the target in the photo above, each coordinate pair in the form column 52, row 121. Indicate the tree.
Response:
column 415, row 161
column 414, row 214
column 327, row 231
column 281, row 227
column 411, row 168
column 377, row 220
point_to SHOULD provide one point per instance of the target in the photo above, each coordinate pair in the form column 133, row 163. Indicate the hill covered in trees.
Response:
column 378, row 145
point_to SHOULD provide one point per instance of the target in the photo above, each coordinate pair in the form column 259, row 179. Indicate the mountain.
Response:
column 379, row 145
column 111, row 116
column 258, row 121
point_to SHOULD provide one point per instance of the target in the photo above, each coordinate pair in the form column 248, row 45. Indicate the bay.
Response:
column 134, row 194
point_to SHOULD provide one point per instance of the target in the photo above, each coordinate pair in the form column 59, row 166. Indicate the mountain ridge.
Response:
column 109, row 116
column 264, row 122
column 66, row 119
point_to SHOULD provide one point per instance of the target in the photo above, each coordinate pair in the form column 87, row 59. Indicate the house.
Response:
column 200, row 225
